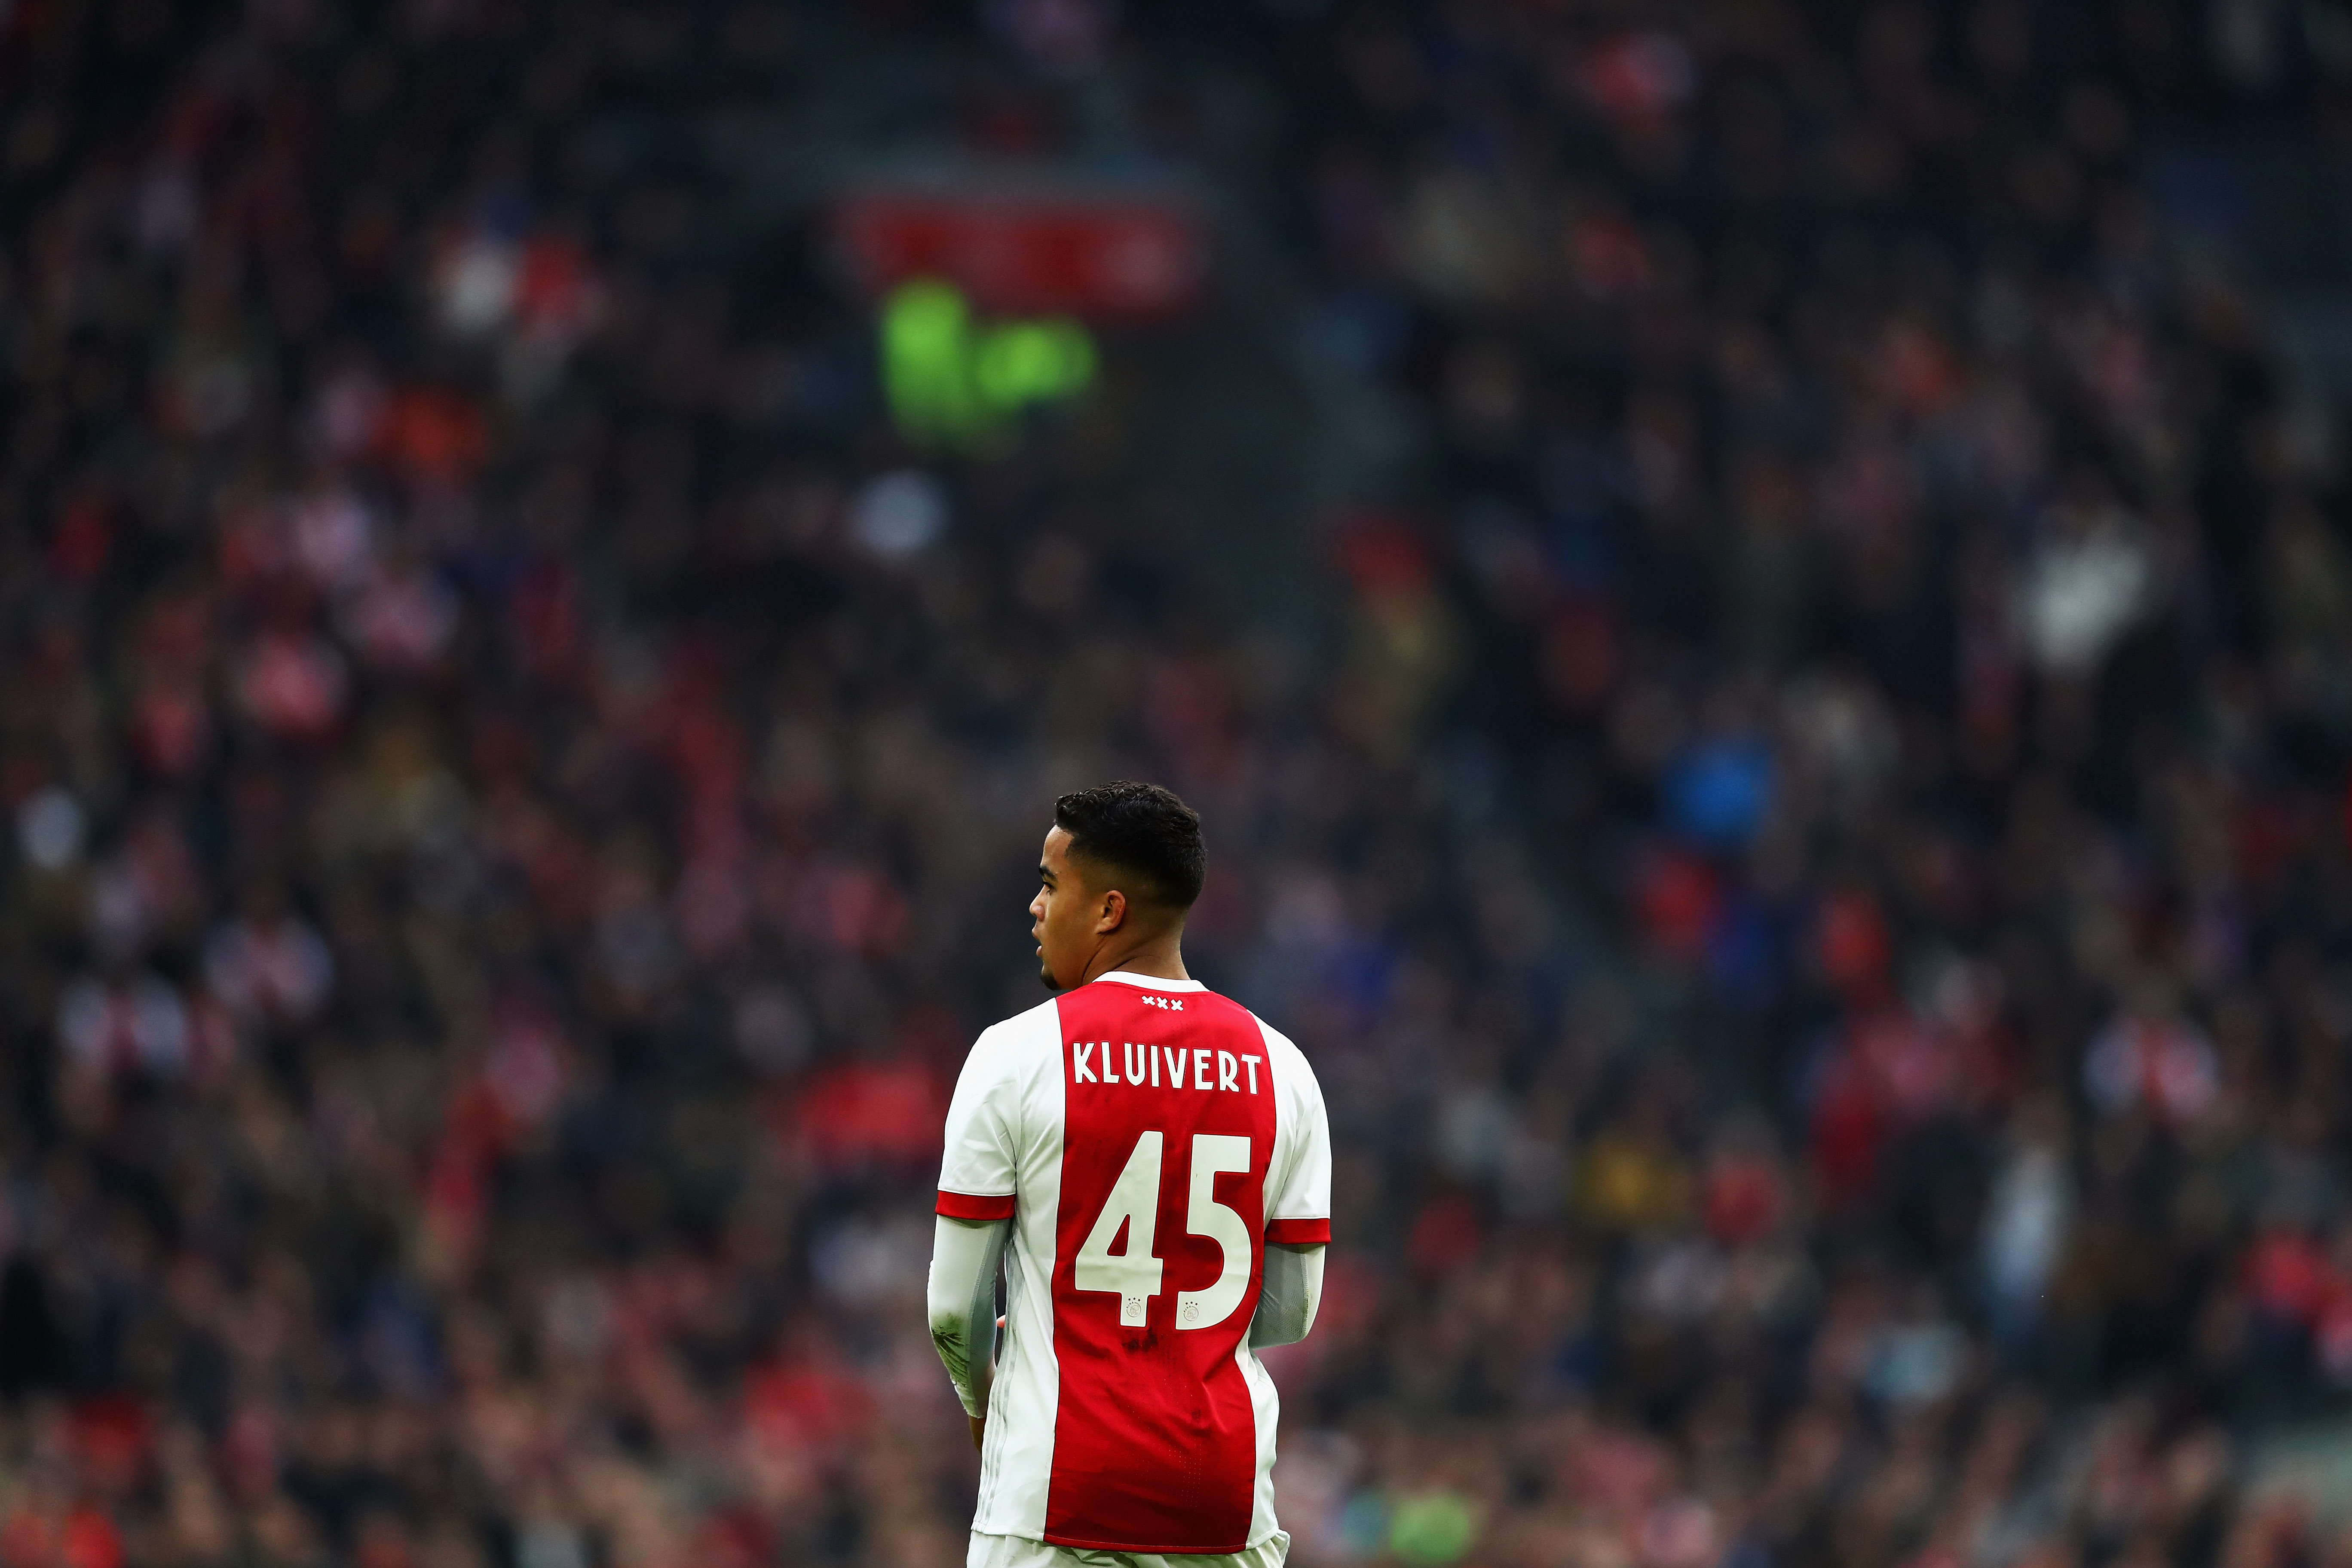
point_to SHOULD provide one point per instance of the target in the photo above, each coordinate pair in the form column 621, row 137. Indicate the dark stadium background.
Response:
column 1756, row 595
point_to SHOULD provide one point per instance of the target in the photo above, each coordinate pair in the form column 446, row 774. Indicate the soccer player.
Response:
column 1152, row 1165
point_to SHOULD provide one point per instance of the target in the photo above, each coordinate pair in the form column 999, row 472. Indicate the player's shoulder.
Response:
column 1041, row 1019
column 1290, row 1065
column 1004, row 1046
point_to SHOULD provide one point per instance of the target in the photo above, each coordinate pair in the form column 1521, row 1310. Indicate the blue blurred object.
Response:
column 1719, row 790
column 1739, row 951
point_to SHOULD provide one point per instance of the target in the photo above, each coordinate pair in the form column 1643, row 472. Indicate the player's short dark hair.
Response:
column 1142, row 831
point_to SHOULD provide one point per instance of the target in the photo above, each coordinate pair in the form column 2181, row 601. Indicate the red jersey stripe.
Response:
column 975, row 1205
column 1298, row 1232
column 1155, row 1432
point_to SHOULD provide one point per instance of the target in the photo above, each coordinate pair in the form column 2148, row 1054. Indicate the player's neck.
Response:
column 1160, row 959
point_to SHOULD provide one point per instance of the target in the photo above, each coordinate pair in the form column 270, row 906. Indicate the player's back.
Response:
column 1155, row 1136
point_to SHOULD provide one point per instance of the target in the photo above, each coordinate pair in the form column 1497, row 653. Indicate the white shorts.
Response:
column 1019, row 1551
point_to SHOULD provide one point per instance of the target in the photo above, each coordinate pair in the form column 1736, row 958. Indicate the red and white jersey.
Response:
column 1146, row 1138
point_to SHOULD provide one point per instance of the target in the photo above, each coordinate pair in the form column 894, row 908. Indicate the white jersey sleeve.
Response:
column 1298, row 1180
column 977, row 1172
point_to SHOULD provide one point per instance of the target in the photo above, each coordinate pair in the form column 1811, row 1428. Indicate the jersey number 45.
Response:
column 1133, row 1207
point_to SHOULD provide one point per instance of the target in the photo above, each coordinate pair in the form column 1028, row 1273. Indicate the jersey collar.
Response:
column 1149, row 981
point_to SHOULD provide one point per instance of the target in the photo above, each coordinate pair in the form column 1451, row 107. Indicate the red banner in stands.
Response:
column 1029, row 254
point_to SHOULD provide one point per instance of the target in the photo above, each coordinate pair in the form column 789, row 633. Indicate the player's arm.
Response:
column 962, row 1302
column 1288, row 1295
column 975, row 1218
column 1298, row 1203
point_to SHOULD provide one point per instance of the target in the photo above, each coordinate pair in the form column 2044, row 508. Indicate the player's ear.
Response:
column 1114, row 911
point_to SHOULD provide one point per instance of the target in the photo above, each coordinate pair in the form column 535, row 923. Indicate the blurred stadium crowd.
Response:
column 1814, row 874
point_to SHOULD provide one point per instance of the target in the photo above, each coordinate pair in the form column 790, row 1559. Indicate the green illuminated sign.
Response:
column 953, row 380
